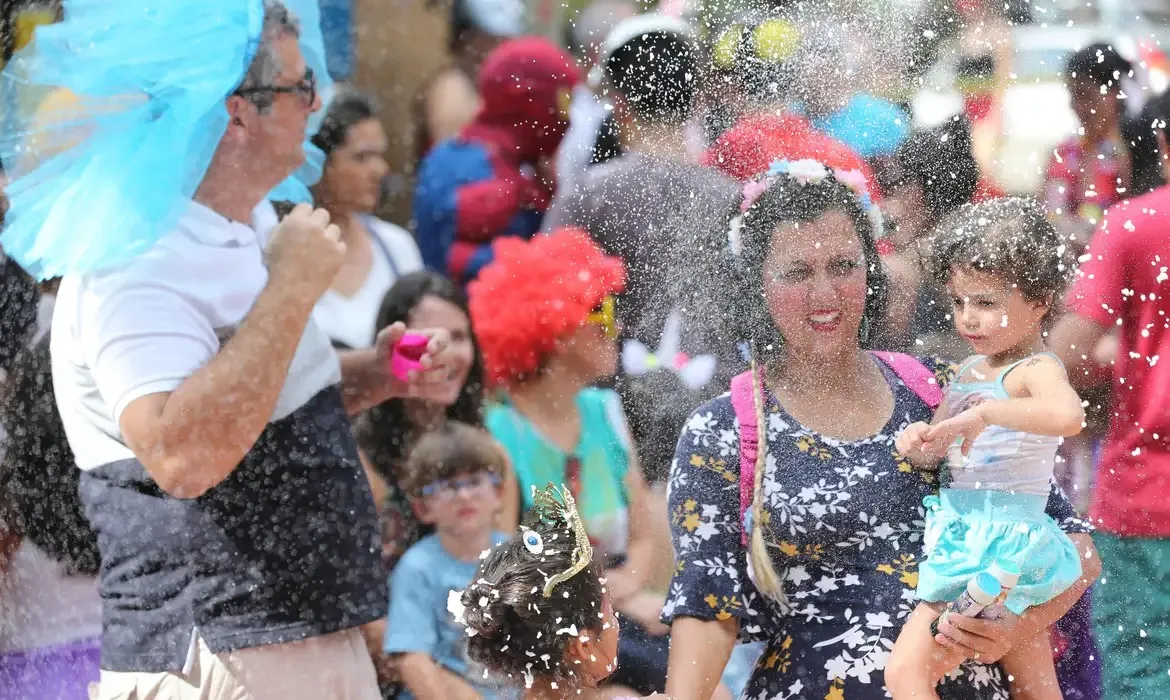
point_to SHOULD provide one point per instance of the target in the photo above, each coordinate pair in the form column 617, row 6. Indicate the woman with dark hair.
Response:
column 376, row 252
column 805, row 530
column 50, row 612
column 450, row 99
column 388, row 431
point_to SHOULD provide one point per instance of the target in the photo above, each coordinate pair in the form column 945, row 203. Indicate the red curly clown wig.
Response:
column 533, row 294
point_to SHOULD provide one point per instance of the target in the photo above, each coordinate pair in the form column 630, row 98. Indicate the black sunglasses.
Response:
column 306, row 87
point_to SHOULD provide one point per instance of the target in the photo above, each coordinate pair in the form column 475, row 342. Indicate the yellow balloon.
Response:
column 726, row 47
column 776, row 40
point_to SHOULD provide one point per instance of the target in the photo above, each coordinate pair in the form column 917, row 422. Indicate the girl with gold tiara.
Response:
column 537, row 611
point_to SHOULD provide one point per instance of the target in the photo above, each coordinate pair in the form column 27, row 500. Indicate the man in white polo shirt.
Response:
column 210, row 417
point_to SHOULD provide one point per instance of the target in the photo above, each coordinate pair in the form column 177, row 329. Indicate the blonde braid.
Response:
column 767, row 581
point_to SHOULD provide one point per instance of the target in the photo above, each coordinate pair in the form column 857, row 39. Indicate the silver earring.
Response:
column 863, row 331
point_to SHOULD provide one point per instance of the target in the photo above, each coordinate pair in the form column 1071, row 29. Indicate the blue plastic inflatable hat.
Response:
column 110, row 129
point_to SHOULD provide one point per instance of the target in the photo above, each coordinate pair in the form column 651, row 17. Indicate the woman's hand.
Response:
column 984, row 641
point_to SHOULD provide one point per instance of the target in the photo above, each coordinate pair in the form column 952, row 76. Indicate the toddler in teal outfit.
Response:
column 997, row 432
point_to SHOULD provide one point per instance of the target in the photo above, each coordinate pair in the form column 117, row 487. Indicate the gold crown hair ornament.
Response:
column 553, row 508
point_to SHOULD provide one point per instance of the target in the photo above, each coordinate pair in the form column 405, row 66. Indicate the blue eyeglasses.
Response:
column 447, row 489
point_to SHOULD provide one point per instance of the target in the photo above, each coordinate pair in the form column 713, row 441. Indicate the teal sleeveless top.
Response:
column 602, row 460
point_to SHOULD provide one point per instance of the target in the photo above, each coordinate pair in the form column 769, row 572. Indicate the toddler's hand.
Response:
column 967, row 425
column 910, row 439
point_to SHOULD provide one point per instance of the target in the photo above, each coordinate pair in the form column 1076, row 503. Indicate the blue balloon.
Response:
column 869, row 125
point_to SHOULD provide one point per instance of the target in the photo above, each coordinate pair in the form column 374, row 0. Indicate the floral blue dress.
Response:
column 846, row 520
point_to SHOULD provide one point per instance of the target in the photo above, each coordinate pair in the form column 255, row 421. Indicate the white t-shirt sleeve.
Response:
column 141, row 339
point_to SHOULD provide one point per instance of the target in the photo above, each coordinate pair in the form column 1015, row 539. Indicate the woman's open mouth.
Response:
column 824, row 321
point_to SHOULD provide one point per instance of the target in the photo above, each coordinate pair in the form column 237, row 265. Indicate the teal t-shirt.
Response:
column 603, row 453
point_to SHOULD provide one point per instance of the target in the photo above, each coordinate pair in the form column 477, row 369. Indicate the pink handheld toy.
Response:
column 407, row 355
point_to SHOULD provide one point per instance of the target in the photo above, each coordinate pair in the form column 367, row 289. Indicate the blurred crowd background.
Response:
column 939, row 102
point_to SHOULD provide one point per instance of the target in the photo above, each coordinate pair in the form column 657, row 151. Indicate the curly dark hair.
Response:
column 1011, row 238
column 384, row 431
column 38, row 474
column 789, row 201
column 514, row 625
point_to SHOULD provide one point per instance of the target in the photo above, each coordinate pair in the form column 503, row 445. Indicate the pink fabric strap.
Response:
column 744, row 405
column 916, row 376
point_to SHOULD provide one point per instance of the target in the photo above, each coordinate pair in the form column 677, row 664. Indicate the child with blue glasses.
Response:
column 454, row 478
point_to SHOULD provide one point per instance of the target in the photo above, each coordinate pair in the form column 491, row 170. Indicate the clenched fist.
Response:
column 304, row 253
column 914, row 443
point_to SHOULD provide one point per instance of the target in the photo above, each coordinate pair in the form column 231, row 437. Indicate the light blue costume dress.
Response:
column 994, row 508
column 107, row 131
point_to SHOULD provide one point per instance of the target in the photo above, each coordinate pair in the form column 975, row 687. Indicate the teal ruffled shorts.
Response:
column 967, row 530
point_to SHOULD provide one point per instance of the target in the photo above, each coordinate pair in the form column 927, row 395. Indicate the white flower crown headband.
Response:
column 805, row 172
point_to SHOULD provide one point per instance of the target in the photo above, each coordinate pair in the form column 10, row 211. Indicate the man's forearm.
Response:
column 211, row 421
column 422, row 676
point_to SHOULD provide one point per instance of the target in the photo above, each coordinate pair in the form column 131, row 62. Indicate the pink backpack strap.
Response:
column 745, row 412
column 916, row 376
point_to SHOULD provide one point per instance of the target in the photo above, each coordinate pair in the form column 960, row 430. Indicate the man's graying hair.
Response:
column 266, row 66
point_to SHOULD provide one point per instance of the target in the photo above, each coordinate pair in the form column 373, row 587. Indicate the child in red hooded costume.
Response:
column 487, row 182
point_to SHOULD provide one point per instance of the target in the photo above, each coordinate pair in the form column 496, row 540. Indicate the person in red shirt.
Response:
column 1122, row 296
